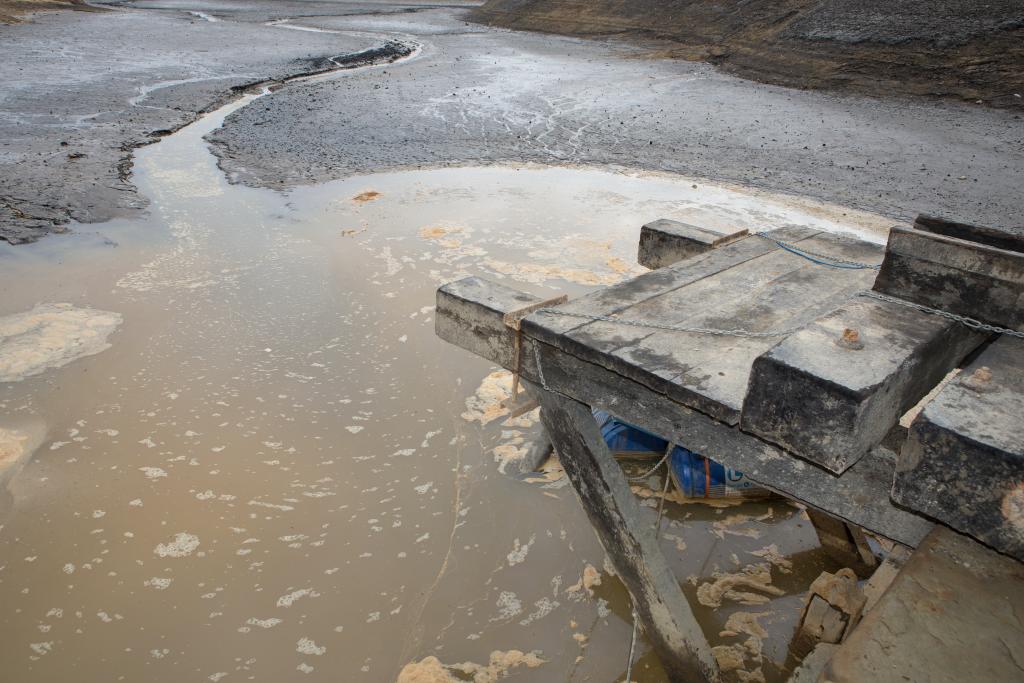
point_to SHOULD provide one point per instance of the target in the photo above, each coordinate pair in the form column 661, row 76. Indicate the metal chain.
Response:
column 671, row 328
column 834, row 261
column 962, row 319
column 540, row 370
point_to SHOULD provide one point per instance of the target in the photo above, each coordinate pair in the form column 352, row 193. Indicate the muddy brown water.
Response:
column 240, row 452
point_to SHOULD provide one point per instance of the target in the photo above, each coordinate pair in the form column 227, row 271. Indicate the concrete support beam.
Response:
column 956, row 275
column 963, row 462
column 471, row 314
column 833, row 390
column 664, row 242
column 604, row 493
column 859, row 496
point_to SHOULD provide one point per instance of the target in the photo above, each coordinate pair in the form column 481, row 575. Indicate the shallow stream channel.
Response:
column 231, row 447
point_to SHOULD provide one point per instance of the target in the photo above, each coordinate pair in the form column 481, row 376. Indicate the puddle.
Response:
column 270, row 469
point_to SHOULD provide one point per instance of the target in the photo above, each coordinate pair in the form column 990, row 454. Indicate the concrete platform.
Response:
column 952, row 615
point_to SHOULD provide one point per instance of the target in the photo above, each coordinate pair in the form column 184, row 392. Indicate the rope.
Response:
column 641, row 477
column 814, row 257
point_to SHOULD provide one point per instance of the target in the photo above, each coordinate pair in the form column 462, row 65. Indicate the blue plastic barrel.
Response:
column 694, row 475
column 698, row 477
column 625, row 440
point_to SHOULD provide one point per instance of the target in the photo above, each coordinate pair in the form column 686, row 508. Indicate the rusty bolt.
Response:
column 850, row 339
column 980, row 380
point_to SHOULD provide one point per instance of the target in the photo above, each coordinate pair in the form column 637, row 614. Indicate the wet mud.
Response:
column 72, row 114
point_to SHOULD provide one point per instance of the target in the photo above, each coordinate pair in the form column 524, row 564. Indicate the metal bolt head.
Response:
column 980, row 380
column 850, row 339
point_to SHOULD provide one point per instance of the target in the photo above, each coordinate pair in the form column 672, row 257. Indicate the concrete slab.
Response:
column 951, row 615
column 750, row 285
column 664, row 242
column 831, row 398
column 964, row 277
column 963, row 462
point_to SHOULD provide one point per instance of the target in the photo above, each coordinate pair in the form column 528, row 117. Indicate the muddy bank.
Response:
column 16, row 11
column 951, row 48
column 481, row 96
column 75, row 106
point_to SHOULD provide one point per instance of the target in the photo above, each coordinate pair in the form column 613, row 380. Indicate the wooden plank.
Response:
column 860, row 496
column 955, row 275
column 831, row 399
column 951, row 615
column 631, row 545
column 664, row 242
column 963, row 462
column 773, row 291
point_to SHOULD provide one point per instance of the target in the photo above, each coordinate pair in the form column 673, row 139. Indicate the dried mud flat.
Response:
column 70, row 117
column 958, row 49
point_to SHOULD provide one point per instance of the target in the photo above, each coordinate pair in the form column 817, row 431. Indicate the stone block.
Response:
column 1012, row 239
column 833, row 390
column 664, row 242
column 960, row 276
column 963, row 462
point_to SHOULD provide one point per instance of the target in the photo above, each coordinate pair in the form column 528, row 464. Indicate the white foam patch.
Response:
column 16, row 445
column 289, row 600
column 183, row 545
column 307, row 647
column 519, row 551
column 51, row 336
column 153, row 472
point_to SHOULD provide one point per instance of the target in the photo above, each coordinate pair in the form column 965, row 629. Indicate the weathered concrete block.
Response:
column 951, row 615
column 664, row 242
column 471, row 313
column 832, row 391
column 1012, row 239
column 956, row 275
column 963, row 462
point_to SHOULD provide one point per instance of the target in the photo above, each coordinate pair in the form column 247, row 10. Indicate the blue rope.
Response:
column 820, row 262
